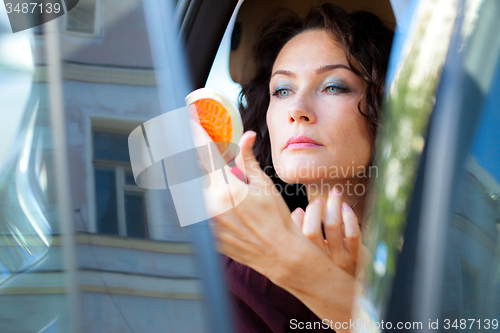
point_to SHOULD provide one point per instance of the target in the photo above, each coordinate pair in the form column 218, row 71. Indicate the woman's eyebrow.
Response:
column 327, row 68
column 283, row 72
column 320, row 70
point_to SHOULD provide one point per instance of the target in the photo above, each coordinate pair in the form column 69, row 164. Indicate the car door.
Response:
column 434, row 230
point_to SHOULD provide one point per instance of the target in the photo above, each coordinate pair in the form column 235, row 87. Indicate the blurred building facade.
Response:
column 137, row 271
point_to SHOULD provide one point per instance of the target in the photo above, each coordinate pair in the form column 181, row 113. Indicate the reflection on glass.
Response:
column 129, row 178
column 110, row 146
column 135, row 215
column 115, row 188
column 107, row 212
column 32, row 279
column 414, row 78
column 81, row 19
column 470, row 285
column 471, row 276
column 136, row 264
column 136, row 267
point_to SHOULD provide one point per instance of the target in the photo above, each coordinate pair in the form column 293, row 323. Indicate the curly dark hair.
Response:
column 367, row 43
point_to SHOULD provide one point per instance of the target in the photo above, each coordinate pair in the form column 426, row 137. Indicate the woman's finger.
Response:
column 238, row 173
column 333, row 225
column 250, row 167
column 363, row 258
column 298, row 217
column 219, row 175
column 352, row 231
column 239, row 162
column 311, row 227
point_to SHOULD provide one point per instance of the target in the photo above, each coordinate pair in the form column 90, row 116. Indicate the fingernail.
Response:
column 318, row 201
column 336, row 191
column 237, row 172
column 298, row 210
column 346, row 207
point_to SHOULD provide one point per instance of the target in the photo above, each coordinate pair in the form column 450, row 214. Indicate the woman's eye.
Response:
column 335, row 89
column 281, row 92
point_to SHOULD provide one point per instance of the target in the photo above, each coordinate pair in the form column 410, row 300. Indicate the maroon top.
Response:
column 260, row 306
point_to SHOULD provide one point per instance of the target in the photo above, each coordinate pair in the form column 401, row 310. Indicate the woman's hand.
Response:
column 343, row 236
column 258, row 231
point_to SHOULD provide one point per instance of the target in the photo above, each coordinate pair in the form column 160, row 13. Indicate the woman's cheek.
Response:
column 274, row 133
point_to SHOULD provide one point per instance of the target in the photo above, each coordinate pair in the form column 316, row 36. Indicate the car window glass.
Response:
column 471, row 282
column 407, row 109
column 136, row 269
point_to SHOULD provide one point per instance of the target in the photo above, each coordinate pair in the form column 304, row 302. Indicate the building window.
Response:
column 82, row 18
column 120, row 203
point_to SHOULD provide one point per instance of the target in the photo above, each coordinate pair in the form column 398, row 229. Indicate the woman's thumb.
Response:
column 250, row 165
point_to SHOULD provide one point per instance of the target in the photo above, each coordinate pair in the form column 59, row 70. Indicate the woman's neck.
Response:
column 353, row 192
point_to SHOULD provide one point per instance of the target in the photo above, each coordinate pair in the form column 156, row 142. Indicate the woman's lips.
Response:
column 301, row 142
column 301, row 145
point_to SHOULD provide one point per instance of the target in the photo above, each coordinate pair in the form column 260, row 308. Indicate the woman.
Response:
column 311, row 116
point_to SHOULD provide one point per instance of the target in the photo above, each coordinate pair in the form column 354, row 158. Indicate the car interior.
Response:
column 84, row 249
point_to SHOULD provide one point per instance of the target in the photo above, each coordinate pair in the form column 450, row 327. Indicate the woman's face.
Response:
column 314, row 124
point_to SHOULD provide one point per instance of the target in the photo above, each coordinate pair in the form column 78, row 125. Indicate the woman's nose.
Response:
column 301, row 111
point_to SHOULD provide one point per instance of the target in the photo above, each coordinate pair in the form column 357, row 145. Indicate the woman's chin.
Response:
column 301, row 168
column 302, row 175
